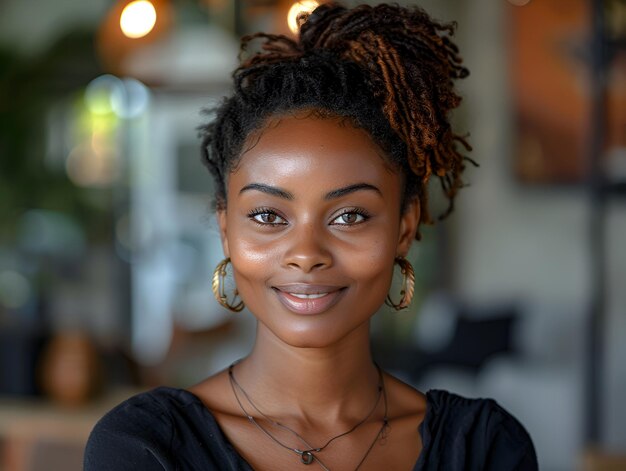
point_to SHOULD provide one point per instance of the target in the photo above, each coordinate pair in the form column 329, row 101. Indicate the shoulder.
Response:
column 140, row 433
column 476, row 431
column 445, row 407
column 135, row 434
column 152, row 411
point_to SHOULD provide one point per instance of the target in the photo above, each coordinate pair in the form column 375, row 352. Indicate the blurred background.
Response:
column 108, row 243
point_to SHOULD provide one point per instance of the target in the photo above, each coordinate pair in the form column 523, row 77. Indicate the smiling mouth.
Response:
column 309, row 299
column 308, row 296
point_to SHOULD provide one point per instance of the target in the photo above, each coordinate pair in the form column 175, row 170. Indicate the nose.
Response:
column 307, row 250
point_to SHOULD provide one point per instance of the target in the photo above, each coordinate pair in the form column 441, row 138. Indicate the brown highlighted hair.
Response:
column 388, row 69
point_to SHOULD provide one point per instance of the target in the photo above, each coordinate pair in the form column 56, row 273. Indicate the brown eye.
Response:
column 349, row 218
column 268, row 217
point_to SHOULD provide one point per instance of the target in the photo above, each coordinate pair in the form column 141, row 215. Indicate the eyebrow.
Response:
column 270, row 190
column 346, row 190
column 338, row 193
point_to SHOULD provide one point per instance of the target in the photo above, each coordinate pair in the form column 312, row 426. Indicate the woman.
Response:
column 321, row 159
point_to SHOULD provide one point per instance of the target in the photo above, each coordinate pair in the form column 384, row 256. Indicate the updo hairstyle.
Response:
column 386, row 69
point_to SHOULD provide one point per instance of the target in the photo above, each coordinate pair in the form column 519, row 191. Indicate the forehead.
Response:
column 323, row 151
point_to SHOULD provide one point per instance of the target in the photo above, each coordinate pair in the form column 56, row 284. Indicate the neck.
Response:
column 331, row 384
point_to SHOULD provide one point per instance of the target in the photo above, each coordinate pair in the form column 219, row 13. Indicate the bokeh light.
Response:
column 90, row 167
column 131, row 99
column 137, row 19
column 302, row 6
column 101, row 94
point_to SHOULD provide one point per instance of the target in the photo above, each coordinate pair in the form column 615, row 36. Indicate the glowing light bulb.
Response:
column 301, row 6
column 137, row 19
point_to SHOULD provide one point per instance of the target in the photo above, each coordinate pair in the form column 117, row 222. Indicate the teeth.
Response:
column 308, row 296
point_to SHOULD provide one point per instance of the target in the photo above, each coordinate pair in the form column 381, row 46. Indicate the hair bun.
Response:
column 390, row 68
column 317, row 21
column 410, row 63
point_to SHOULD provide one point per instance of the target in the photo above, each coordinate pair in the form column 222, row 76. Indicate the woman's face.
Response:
column 312, row 228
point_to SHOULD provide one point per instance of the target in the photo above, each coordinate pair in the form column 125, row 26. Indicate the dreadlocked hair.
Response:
column 389, row 70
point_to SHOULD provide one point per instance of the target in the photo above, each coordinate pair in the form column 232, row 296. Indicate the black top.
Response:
column 171, row 429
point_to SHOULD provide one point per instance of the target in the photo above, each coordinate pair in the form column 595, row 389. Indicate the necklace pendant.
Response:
column 307, row 457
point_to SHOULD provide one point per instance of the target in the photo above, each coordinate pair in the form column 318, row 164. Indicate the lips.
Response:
column 308, row 299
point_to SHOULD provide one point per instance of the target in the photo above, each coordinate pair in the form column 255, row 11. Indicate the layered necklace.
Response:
column 308, row 455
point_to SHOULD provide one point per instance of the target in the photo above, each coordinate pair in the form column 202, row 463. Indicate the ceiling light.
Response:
column 138, row 19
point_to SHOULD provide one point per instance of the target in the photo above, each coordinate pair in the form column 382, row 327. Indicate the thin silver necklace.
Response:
column 280, row 425
column 308, row 456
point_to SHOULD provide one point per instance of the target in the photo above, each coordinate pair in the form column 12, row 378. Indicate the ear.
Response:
column 221, row 221
column 409, row 222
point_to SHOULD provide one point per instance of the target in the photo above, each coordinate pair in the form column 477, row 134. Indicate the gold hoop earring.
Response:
column 408, row 285
column 219, row 292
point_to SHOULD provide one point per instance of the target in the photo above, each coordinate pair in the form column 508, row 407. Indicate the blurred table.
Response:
column 598, row 460
column 38, row 435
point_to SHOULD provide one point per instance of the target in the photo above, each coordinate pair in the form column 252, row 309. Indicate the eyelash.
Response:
column 259, row 211
column 358, row 211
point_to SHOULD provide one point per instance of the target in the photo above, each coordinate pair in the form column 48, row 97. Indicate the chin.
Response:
column 321, row 337
column 309, row 343
column 296, row 341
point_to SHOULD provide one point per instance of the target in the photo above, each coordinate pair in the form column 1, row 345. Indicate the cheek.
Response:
column 251, row 260
column 251, row 256
column 370, row 265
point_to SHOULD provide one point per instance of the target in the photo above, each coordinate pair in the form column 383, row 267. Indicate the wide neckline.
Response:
column 425, row 438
